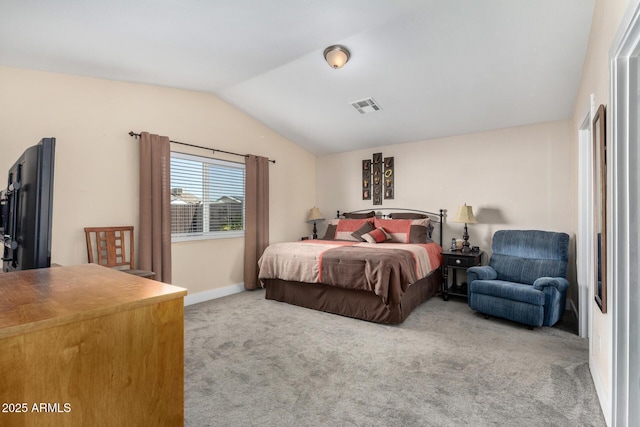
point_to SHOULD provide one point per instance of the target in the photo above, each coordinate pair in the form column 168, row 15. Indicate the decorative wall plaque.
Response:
column 388, row 177
column 366, row 180
column 377, row 179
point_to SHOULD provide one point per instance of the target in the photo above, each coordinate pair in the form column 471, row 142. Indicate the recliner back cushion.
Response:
column 525, row 255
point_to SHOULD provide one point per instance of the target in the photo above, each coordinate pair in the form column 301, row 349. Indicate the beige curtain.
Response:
column 155, row 206
column 256, row 234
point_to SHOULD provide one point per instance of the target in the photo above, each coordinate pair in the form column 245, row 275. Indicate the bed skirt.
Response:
column 353, row 303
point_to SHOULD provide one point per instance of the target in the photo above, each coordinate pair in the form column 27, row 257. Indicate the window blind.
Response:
column 207, row 197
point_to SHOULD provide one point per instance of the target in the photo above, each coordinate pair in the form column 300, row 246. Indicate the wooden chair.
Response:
column 113, row 247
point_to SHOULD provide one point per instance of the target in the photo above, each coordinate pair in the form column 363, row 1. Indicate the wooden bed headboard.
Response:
column 385, row 212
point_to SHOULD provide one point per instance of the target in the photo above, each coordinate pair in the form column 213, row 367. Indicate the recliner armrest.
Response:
column 560, row 283
column 483, row 272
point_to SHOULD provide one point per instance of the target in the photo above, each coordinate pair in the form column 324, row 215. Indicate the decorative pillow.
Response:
column 346, row 227
column 378, row 235
column 407, row 215
column 349, row 215
column 366, row 227
column 420, row 231
column 414, row 215
column 330, row 234
column 406, row 230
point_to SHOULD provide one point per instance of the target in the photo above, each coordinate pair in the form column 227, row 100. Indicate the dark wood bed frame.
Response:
column 359, row 304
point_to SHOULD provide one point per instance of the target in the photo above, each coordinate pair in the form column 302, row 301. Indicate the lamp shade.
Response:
column 336, row 56
column 315, row 215
column 465, row 214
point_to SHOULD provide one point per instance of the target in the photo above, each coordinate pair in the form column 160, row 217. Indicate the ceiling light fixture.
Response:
column 336, row 56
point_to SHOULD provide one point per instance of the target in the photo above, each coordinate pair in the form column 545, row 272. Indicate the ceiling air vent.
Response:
column 367, row 105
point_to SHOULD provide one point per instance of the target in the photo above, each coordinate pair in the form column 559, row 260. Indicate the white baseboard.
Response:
column 213, row 294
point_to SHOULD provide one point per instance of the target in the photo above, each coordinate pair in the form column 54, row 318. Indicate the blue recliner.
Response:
column 525, row 280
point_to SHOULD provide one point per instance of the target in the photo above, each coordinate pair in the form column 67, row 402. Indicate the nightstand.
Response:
column 454, row 261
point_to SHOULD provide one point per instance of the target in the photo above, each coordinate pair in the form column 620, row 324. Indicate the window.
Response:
column 207, row 198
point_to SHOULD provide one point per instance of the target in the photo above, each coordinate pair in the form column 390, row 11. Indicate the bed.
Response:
column 374, row 268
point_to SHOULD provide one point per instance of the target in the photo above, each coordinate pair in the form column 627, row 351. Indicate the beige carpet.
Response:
column 253, row 362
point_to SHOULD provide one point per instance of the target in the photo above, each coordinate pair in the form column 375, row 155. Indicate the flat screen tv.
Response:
column 27, row 205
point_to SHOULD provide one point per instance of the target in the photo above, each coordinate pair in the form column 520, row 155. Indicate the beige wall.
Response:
column 596, row 80
column 517, row 178
column 96, row 171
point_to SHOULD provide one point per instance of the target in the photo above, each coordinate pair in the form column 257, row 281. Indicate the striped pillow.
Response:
column 378, row 235
column 346, row 227
column 405, row 230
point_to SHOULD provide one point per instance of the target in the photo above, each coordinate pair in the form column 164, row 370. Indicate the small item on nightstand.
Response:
column 475, row 249
column 453, row 244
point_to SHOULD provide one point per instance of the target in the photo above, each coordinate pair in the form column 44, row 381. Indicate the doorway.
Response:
column 584, row 243
column 624, row 161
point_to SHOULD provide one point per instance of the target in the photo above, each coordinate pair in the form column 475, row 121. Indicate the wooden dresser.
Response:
column 90, row 346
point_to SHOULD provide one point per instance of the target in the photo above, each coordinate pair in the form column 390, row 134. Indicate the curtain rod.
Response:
column 137, row 135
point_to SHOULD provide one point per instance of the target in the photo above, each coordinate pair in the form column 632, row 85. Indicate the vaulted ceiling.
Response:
column 436, row 67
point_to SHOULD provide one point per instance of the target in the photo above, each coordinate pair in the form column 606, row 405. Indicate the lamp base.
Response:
column 466, row 247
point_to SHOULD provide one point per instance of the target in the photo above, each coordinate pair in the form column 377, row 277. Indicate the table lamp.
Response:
column 314, row 216
column 465, row 215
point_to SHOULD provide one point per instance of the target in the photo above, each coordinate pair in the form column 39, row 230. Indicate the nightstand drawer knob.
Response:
column 458, row 261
